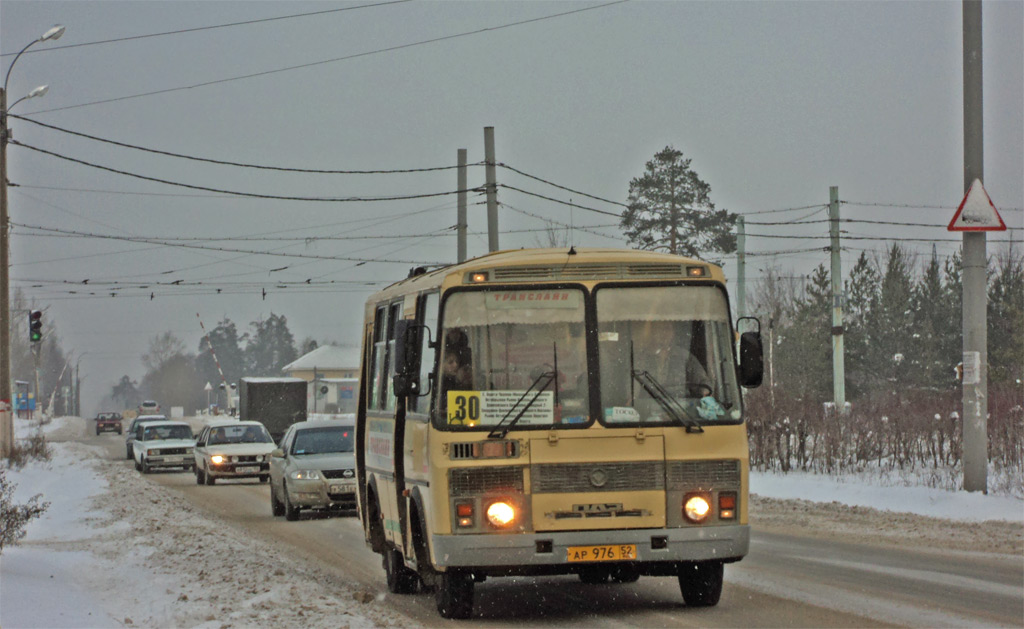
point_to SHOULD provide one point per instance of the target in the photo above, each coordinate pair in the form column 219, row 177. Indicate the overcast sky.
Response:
column 774, row 102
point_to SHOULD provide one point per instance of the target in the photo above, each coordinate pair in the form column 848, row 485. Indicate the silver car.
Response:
column 314, row 468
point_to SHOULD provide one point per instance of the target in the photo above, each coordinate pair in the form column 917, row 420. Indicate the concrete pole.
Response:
column 492, row 190
column 460, row 223
column 838, row 358
column 975, row 261
column 6, row 409
column 741, row 266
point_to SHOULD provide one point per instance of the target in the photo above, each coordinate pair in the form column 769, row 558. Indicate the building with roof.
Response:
column 332, row 372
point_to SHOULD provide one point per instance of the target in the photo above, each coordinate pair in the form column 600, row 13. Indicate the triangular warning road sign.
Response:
column 976, row 213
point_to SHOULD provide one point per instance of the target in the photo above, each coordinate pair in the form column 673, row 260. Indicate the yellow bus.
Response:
column 554, row 411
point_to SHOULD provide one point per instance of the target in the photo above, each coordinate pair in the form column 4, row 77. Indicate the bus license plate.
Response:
column 609, row 552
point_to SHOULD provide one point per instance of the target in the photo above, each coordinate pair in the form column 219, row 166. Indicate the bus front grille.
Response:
column 704, row 474
column 481, row 480
column 559, row 478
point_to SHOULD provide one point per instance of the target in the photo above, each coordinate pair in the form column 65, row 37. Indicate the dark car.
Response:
column 109, row 422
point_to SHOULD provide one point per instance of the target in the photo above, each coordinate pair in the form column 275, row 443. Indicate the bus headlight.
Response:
column 696, row 507
column 501, row 514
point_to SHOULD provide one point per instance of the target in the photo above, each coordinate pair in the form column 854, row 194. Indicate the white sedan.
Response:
column 233, row 449
column 162, row 445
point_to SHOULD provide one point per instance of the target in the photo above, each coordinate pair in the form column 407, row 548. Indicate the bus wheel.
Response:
column 401, row 580
column 701, row 583
column 375, row 522
column 454, row 594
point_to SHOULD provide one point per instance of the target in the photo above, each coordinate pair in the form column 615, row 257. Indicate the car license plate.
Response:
column 342, row 489
column 247, row 470
column 606, row 552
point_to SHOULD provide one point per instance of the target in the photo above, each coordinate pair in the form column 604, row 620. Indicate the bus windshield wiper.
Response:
column 667, row 401
column 547, row 377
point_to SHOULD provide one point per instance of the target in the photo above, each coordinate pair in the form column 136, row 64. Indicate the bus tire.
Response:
column 594, row 577
column 454, row 594
column 428, row 576
column 401, row 580
column 375, row 521
column 625, row 574
column 701, row 583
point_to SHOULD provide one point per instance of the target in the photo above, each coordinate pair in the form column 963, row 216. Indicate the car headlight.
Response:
column 696, row 507
column 150, row 452
column 189, row 450
column 501, row 514
column 259, row 458
column 305, row 475
column 217, row 459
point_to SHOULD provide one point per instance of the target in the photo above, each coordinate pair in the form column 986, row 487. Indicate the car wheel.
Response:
column 145, row 467
column 454, row 594
column 199, row 475
column 119, row 432
column 401, row 580
column 701, row 583
column 276, row 508
column 208, row 478
column 128, row 453
column 97, row 431
column 291, row 512
column 264, row 478
column 138, row 468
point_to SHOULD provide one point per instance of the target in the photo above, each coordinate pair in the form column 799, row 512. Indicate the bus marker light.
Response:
column 695, row 271
column 478, row 277
column 493, row 449
column 464, row 522
column 464, row 510
column 501, row 514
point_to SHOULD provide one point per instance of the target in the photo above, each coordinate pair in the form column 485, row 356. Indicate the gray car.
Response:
column 314, row 468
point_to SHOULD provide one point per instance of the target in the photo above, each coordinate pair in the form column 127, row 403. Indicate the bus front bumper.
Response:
column 551, row 549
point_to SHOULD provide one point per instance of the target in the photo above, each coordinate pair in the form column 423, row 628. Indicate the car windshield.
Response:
column 155, row 433
column 325, row 440
column 513, row 357
column 251, row 433
column 666, row 356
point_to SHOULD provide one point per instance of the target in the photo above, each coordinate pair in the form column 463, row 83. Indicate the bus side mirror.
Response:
column 751, row 360
column 407, row 346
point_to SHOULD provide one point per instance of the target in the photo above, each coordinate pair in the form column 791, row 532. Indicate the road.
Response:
column 797, row 578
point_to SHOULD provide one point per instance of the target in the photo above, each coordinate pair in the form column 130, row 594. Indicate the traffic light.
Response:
column 35, row 326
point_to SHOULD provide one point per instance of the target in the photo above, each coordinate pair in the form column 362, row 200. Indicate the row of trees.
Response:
column 176, row 377
column 903, row 344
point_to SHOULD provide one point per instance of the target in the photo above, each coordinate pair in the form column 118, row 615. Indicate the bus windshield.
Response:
column 666, row 356
column 513, row 357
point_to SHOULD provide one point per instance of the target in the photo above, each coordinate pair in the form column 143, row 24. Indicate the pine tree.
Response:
column 1006, row 320
column 805, row 348
column 890, row 324
column 932, row 368
column 861, row 292
column 225, row 341
column 670, row 209
column 269, row 347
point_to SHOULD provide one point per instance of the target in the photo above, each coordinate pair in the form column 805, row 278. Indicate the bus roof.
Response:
column 560, row 264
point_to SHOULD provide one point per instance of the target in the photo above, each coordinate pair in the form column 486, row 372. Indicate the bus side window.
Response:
column 377, row 368
column 426, row 314
column 387, row 397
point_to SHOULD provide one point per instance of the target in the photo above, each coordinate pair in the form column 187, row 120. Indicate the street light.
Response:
column 6, row 420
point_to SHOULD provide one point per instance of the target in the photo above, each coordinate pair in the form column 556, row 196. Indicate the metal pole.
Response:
column 975, row 296
column 460, row 223
column 492, row 190
column 838, row 359
column 6, row 414
column 741, row 266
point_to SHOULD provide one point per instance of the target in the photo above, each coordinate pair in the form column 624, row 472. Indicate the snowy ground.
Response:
column 108, row 547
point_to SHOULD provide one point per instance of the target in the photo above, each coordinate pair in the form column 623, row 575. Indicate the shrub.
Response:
column 14, row 518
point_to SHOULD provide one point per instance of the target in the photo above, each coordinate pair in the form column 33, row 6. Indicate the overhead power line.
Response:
column 535, row 178
column 337, row 59
column 207, row 28
column 569, row 203
column 234, row 192
column 155, row 241
column 918, row 207
column 317, row 171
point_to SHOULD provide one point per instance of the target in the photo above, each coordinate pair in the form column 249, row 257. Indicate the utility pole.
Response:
column 460, row 223
column 838, row 364
column 975, row 297
column 6, row 409
column 492, row 190
column 741, row 266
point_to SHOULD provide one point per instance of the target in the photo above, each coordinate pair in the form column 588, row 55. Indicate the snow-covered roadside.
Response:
column 868, row 492
column 113, row 550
